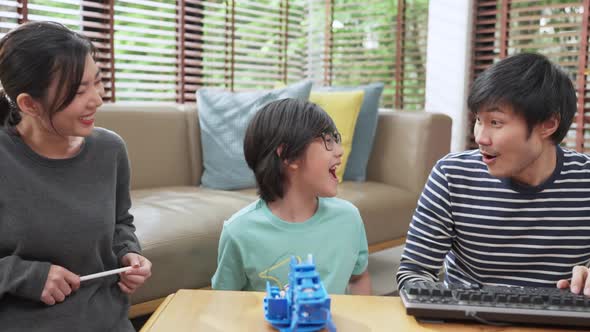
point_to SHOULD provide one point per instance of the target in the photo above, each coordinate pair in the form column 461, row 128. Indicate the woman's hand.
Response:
column 580, row 281
column 60, row 283
column 132, row 279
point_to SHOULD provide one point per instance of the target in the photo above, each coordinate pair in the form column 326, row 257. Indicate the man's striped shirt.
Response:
column 495, row 231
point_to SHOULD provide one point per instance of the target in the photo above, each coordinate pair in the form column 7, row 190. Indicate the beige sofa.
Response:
column 178, row 221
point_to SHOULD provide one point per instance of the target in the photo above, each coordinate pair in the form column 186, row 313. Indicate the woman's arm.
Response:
column 125, row 243
column 22, row 278
column 124, row 239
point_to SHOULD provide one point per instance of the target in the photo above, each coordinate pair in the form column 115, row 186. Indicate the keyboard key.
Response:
column 487, row 298
column 502, row 298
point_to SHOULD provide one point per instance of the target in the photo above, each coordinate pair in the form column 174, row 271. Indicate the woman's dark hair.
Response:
column 32, row 56
column 532, row 85
column 291, row 124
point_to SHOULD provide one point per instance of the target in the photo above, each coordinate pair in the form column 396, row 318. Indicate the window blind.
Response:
column 253, row 44
column 146, row 52
column 164, row 50
column 358, row 42
column 91, row 18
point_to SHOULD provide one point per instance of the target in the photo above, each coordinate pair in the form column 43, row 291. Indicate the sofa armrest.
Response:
column 407, row 145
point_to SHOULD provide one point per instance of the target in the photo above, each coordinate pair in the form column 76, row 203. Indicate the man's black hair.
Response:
column 534, row 86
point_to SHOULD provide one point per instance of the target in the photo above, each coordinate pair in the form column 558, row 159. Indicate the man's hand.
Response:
column 132, row 279
column 60, row 283
column 580, row 281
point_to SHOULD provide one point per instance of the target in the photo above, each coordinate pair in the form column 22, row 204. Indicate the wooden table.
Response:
column 212, row 311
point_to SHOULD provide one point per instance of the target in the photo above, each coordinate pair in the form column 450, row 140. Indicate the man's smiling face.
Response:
column 507, row 146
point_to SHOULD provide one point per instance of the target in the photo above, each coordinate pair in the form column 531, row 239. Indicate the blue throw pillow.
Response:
column 223, row 118
column 364, row 131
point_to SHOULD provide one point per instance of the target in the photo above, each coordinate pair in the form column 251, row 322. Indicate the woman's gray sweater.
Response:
column 69, row 212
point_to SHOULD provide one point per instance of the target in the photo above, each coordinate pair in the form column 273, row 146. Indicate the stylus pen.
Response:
column 105, row 273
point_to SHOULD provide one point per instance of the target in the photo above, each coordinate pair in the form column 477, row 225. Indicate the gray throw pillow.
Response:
column 364, row 130
column 223, row 118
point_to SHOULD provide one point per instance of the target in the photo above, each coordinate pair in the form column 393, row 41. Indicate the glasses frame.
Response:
column 331, row 138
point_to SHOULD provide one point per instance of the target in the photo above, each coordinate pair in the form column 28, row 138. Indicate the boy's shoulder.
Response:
column 338, row 204
column 251, row 211
column 335, row 201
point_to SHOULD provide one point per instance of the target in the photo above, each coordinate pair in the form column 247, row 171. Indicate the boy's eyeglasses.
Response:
column 331, row 139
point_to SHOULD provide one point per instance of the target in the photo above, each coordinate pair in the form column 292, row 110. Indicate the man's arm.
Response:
column 431, row 232
column 360, row 284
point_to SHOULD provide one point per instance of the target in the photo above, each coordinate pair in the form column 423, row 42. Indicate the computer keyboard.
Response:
column 497, row 305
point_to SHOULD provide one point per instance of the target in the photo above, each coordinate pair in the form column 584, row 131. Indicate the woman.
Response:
column 64, row 190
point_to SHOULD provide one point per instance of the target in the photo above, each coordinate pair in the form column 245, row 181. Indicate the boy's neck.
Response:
column 294, row 207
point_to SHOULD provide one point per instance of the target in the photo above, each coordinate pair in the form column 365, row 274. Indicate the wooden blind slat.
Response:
column 375, row 41
column 165, row 50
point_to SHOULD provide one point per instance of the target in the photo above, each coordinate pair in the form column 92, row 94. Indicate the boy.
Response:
column 294, row 149
column 515, row 211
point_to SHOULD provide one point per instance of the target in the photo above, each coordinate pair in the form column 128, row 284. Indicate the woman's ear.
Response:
column 28, row 105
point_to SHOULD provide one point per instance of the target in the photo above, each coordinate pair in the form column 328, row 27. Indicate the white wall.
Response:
column 448, row 63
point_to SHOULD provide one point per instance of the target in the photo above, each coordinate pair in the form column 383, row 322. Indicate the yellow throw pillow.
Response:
column 343, row 107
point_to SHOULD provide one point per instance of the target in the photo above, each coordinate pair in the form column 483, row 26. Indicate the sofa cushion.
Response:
column 179, row 228
column 386, row 210
column 157, row 139
column 223, row 118
column 343, row 107
column 364, row 132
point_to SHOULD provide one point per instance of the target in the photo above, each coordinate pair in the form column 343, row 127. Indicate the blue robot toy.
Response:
column 304, row 306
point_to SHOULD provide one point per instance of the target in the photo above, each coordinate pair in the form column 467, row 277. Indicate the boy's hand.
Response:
column 360, row 284
column 580, row 281
column 60, row 283
column 132, row 279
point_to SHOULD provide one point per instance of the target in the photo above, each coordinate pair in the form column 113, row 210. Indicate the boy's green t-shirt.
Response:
column 256, row 246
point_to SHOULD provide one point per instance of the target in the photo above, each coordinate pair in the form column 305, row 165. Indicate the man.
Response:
column 517, row 210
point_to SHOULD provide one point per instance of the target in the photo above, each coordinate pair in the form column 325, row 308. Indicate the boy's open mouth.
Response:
column 333, row 171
